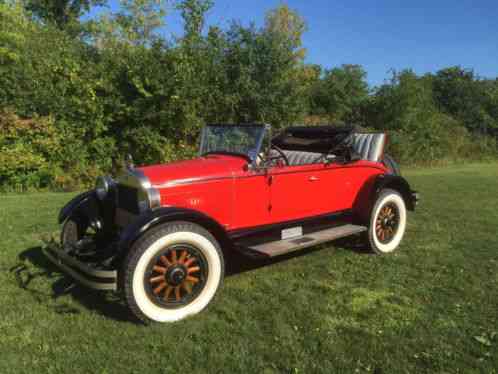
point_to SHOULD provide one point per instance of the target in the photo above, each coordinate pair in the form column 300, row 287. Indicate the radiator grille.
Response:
column 128, row 199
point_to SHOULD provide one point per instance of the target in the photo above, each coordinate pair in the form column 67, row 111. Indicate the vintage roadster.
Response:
column 162, row 234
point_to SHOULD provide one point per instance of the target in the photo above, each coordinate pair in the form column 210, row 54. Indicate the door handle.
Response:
column 313, row 179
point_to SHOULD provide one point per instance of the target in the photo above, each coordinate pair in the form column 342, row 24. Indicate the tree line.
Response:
column 76, row 95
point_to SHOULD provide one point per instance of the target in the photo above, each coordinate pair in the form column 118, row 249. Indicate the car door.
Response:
column 251, row 204
column 341, row 184
column 294, row 192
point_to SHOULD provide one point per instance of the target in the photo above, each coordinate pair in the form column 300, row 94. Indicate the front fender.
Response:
column 79, row 202
column 158, row 216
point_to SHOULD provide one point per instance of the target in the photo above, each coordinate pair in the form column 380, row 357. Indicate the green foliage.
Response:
column 137, row 22
column 461, row 94
column 419, row 132
column 27, row 149
column 193, row 14
column 289, row 26
column 340, row 93
column 64, row 14
column 120, row 87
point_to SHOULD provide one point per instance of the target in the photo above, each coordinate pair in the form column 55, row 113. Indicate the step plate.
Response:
column 281, row 247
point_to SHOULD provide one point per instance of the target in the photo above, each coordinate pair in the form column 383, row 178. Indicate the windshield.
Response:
column 235, row 139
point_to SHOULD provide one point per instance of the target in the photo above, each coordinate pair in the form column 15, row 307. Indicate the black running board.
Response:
column 280, row 247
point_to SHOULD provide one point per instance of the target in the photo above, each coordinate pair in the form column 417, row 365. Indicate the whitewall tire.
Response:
column 172, row 272
column 387, row 222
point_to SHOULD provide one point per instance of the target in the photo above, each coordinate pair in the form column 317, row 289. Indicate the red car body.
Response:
column 228, row 191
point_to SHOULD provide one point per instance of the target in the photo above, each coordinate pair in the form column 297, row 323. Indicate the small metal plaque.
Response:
column 292, row 232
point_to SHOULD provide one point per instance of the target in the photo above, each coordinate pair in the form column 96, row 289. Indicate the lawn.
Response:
column 432, row 307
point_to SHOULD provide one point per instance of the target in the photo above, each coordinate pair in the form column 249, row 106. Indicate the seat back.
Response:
column 302, row 158
column 370, row 146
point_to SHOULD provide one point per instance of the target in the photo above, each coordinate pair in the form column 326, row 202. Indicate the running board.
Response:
column 280, row 247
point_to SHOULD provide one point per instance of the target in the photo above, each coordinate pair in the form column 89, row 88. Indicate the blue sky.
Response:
column 381, row 35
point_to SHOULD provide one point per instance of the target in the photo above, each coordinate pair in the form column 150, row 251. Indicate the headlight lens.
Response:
column 102, row 186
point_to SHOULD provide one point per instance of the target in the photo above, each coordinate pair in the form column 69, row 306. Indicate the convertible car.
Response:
column 162, row 234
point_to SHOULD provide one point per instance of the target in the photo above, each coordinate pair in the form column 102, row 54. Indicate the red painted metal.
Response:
column 226, row 189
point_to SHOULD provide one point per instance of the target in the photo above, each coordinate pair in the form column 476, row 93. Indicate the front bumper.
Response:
column 83, row 272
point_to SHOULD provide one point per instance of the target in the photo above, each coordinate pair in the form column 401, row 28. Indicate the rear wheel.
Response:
column 172, row 272
column 387, row 222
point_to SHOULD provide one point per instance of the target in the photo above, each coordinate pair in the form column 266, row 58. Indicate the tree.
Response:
column 340, row 93
column 63, row 13
column 140, row 19
column 193, row 13
column 136, row 23
column 404, row 103
column 289, row 26
column 459, row 93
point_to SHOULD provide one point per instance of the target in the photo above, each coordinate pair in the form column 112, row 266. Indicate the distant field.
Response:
column 430, row 308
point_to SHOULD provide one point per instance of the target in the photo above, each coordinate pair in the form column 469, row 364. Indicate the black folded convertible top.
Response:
column 321, row 139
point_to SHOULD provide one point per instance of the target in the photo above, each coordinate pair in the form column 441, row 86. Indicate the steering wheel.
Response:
column 281, row 155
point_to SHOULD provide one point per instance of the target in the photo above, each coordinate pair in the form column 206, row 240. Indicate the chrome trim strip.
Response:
column 178, row 182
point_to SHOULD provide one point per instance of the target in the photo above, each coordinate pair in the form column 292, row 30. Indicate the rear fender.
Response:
column 397, row 183
column 369, row 193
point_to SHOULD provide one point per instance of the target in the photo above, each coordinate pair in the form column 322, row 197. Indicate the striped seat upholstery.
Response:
column 369, row 146
column 302, row 158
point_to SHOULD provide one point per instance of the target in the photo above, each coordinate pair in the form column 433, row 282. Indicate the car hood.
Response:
column 198, row 169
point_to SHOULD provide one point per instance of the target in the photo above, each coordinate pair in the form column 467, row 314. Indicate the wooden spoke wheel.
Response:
column 173, row 271
column 176, row 276
column 387, row 222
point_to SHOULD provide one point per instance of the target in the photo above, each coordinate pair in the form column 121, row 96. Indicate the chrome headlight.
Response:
column 102, row 186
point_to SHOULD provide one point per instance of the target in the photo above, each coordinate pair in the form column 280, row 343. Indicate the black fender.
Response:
column 162, row 215
column 397, row 183
column 85, row 202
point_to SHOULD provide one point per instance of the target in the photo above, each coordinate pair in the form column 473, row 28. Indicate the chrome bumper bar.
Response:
column 82, row 272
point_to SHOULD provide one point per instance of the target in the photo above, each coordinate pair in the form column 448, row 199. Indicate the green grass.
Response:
column 430, row 308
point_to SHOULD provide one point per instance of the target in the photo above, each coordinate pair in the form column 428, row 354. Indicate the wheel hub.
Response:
column 176, row 275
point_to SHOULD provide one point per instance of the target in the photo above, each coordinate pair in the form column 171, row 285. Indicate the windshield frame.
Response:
column 259, row 141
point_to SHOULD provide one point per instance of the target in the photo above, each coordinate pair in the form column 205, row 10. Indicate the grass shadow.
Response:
column 33, row 264
column 237, row 263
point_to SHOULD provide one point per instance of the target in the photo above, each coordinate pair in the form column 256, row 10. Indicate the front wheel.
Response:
column 172, row 272
column 387, row 222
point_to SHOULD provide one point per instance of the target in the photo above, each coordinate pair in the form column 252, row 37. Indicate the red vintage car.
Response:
column 162, row 234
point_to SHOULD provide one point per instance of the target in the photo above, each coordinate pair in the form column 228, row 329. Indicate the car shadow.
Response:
column 33, row 264
column 238, row 263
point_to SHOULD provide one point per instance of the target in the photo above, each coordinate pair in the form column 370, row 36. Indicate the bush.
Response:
column 27, row 149
column 442, row 141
